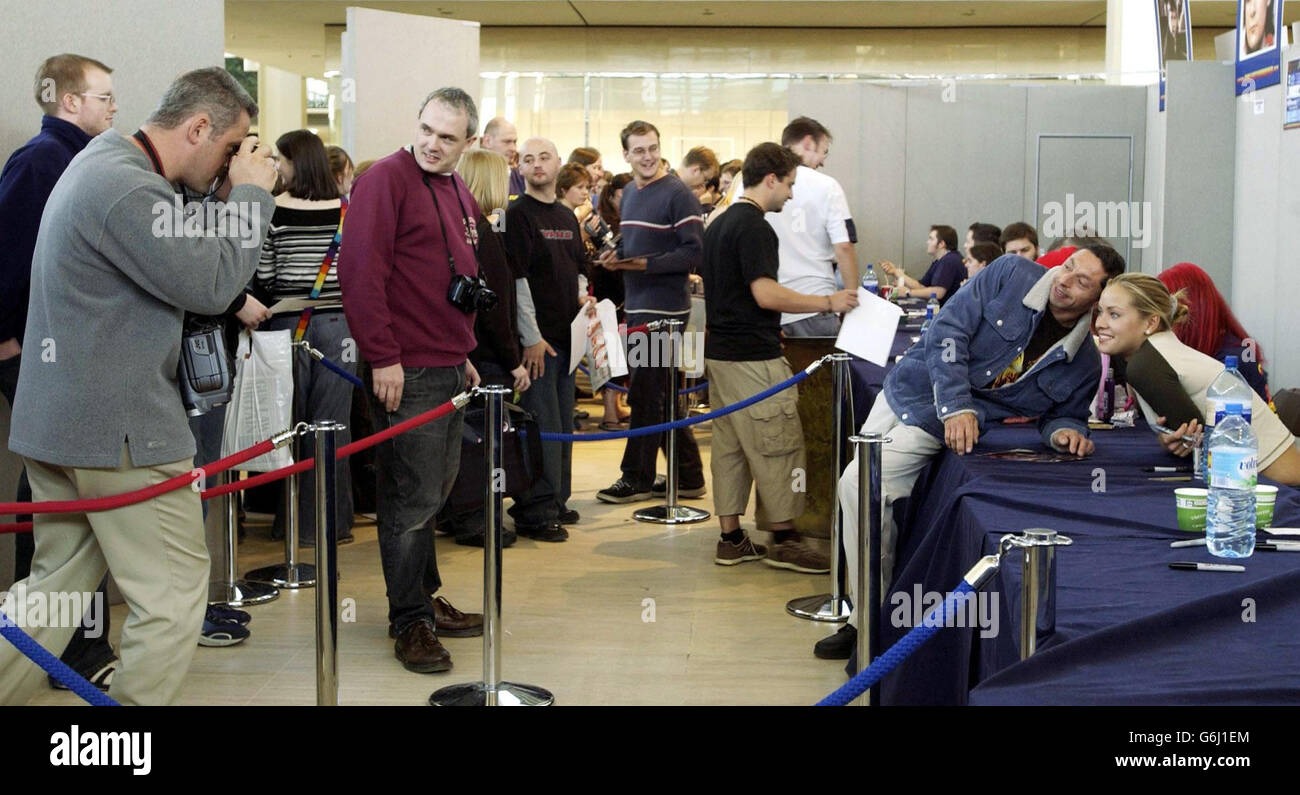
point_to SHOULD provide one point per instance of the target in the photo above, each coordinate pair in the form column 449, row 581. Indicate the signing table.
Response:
column 1129, row 630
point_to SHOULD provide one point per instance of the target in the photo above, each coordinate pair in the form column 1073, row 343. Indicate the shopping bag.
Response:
column 262, row 404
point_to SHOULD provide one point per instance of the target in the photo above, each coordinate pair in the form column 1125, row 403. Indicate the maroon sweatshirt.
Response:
column 393, row 264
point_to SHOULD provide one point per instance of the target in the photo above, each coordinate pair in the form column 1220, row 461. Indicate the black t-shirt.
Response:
column 738, row 248
column 1048, row 333
column 545, row 245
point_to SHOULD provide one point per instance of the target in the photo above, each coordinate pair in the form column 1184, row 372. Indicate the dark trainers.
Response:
column 623, row 491
column 838, row 646
column 569, row 516
column 222, row 634
column 660, row 489
column 101, row 677
column 478, row 539
column 419, row 651
column 798, row 556
column 730, row 554
column 551, row 531
column 220, row 614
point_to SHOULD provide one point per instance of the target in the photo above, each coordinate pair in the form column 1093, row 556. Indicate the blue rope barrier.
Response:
column 340, row 371
column 611, row 385
column 899, row 651
column 53, row 665
column 667, row 426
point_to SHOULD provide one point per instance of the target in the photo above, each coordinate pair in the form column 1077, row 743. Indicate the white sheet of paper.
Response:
column 613, row 342
column 577, row 338
column 868, row 331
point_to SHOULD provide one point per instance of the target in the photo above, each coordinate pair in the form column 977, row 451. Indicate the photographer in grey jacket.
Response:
column 99, row 411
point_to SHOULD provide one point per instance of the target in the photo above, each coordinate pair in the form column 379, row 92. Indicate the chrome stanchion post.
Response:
column 1037, row 585
column 492, row 692
column 834, row 606
column 670, row 512
column 230, row 590
column 870, row 591
column 290, row 574
column 327, row 563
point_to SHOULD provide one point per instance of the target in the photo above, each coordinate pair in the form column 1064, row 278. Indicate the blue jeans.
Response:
column 550, row 401
column 320, row 394
column 416, row 472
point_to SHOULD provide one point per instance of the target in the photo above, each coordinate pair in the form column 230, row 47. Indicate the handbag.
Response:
column 521, row 457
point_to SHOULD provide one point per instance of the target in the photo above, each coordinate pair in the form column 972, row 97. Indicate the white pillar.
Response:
column 281, row 102
column 1132, row 52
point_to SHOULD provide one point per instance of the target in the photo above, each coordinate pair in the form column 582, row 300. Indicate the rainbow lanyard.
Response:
column 301, row 331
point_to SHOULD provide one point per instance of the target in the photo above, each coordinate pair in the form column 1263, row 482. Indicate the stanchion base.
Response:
column 240, row 593
column 821, row 607
column 300, row 575
column 678, row 514
column 508, row 694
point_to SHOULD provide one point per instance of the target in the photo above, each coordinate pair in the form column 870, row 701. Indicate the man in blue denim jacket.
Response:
column 1015, row 341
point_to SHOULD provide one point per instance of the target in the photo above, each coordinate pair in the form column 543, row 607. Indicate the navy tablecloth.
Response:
column 1129, row 630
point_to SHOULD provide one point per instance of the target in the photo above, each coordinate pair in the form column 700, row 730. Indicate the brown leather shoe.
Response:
column 418, row 650
column 455, row 624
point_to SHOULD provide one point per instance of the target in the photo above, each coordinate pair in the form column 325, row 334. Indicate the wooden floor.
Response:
column 574, row 616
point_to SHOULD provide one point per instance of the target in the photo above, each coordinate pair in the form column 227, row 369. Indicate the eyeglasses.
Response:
column 106, row 97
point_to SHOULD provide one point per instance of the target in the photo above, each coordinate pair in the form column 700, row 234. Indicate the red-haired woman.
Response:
column 1212, row 328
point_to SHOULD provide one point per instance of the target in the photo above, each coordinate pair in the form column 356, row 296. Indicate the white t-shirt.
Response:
column 808, row 227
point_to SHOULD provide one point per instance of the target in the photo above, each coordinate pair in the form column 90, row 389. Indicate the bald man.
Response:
column 500, row 136
column 543, row 241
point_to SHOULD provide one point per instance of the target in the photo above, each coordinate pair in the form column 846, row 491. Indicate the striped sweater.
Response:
column 295, row 248
column 662, row 222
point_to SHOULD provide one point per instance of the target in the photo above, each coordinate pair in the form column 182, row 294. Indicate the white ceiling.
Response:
column 292, row 34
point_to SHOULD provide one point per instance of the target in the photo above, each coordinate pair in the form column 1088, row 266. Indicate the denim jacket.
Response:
column 985, row 326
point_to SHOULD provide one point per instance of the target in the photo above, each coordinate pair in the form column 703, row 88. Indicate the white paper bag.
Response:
column 693, row 340
column 262, row 404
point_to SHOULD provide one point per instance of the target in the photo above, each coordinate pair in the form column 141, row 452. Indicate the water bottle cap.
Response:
column 1230, row 362
column 934, row 296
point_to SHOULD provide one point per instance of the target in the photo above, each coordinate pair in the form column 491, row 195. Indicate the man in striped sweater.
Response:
column 662, row 227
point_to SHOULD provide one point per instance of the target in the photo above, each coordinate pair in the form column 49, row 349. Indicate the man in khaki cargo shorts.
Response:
column 763, row 444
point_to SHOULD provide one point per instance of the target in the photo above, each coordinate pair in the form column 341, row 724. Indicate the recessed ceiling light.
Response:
column 969, row 13
column 708, row 12
column 446, row 12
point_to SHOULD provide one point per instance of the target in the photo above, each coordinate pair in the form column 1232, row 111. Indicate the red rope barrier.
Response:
column 96, row 504
column 180, row 481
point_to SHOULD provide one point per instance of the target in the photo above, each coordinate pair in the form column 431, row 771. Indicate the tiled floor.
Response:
column 575, row 618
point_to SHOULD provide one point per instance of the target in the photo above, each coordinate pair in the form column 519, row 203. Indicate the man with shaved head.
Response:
column 543, row 242
column 500, row 136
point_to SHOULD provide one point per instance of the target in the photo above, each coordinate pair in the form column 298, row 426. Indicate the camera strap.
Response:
column 437, row 210
column 321, row 275
column 150, row 152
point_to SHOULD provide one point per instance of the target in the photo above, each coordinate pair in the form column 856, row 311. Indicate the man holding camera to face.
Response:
column 99, row 411
column 409, row 274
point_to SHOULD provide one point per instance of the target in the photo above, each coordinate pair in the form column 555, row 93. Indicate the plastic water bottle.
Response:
column 870, row 282
column 1230, row 507
column 932, row 304
column 929, row 318
column 1230, row 387
column 1106, row 396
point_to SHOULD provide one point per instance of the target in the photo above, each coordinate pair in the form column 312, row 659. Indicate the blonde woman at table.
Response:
column 1136, row 318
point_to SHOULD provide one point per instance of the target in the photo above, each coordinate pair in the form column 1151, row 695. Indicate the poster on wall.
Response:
column 1174, row 25
column 1259, row 44
column 1292, row 120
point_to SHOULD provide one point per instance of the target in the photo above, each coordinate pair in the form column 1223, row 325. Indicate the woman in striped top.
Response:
column 307, row 216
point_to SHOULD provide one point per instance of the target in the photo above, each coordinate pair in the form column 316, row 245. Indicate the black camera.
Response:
column 602, row 237
column 470, row 294
column 204, row 372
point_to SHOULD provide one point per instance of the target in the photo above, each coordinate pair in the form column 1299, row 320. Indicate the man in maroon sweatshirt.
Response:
column 410, row 230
